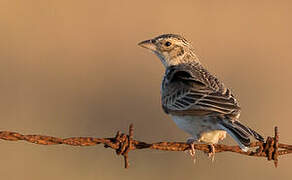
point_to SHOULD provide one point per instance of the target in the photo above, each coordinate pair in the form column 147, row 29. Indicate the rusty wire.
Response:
column 123, row 143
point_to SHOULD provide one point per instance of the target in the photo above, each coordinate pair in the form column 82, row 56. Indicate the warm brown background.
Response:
column 73, row 68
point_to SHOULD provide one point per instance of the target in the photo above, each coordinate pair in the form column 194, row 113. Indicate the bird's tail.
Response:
column 240, row 133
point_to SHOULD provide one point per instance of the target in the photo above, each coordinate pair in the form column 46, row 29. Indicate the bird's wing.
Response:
column 194, row 91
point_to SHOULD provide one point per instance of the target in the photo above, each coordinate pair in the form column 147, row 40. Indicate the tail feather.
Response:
column 256, row 135
column 240, row 133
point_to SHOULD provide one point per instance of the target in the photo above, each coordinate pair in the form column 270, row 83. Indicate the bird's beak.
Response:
column 148, row 44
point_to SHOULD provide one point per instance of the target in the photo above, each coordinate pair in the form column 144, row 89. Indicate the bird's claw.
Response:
column 192, row 151
column 211, row 153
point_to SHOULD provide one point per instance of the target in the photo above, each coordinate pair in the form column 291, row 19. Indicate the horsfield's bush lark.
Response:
column 196, row 100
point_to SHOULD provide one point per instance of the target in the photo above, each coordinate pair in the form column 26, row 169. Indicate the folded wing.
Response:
column 193, row 91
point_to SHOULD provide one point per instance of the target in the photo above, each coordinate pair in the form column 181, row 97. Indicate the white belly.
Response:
column 201, row 128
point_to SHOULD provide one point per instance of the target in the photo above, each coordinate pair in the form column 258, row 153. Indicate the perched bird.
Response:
column 197, row 101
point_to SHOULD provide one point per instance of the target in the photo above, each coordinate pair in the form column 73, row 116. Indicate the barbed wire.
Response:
column 123, row 143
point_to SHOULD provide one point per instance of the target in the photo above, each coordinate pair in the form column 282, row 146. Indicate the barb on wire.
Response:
column 124, row 143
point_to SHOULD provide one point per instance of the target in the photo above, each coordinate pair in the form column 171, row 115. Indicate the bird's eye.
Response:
column 167, row 43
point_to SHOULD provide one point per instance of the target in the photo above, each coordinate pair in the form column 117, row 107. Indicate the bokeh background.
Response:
column 73, row 68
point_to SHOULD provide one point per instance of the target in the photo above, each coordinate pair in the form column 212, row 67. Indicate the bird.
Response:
column 197, row 101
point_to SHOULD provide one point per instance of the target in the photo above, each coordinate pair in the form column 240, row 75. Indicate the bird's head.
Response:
column 171, row 49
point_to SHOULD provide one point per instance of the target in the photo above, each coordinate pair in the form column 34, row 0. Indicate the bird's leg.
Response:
column 192, row 151
column 211, row 153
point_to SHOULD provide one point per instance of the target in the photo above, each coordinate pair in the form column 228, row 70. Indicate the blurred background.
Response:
column 73, row 68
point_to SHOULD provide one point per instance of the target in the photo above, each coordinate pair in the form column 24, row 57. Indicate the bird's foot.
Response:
column 212, row 151
column 192, row 151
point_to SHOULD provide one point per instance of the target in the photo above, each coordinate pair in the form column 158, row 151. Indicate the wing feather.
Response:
column 193, row 90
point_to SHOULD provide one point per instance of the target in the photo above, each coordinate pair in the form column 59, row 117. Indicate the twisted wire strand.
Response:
column 123, row 144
